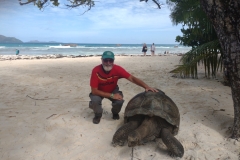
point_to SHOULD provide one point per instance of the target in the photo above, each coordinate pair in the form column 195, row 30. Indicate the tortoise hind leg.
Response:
column 175, row 147
column 121, row 134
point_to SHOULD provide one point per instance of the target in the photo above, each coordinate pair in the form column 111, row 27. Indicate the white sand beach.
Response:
column 44, row 112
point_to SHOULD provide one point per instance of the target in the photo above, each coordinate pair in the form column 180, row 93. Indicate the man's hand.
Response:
column 117, row 96
column 141, row 83
column 151, row 89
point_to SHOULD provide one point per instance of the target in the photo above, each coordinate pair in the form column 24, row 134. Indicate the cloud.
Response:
column 125, row 14
column 109, row 18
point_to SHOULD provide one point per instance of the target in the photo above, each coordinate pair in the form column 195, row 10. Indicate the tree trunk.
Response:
column 225, row 16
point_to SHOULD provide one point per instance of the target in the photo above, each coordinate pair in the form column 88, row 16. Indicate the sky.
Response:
column 111, row 22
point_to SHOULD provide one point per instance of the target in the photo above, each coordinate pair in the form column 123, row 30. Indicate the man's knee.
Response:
column 96, row 106
column 118, row 103
column 95, row 97
column 117, row 106
column 96, row 103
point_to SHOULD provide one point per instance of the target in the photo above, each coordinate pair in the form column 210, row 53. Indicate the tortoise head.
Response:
column 134, row 139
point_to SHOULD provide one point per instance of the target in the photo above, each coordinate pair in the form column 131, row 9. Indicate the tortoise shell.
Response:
column 154, row 104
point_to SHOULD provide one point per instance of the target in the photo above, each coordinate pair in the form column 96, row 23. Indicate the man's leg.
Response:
column 96, row 105
column 116, row 104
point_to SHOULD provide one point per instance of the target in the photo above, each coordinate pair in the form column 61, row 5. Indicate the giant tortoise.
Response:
column 150, row 115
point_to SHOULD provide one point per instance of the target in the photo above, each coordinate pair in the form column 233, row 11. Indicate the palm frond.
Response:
column 206, row 54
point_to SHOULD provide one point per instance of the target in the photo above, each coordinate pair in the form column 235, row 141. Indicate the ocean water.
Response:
column 86, row 49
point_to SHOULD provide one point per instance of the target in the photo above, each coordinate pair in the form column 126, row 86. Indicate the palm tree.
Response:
column 209, row 54
column 198, row 33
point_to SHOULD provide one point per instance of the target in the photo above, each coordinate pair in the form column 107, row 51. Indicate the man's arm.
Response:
column 141, row 83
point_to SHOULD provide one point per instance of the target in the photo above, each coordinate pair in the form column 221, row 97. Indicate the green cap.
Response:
column 108, row 54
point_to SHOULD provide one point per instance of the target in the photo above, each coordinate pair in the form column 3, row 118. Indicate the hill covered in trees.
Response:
column 4, row 39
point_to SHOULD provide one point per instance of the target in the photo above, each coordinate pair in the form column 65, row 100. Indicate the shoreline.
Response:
column 56, row 56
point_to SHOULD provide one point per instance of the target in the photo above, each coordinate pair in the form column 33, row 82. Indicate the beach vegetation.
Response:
column 198, row 33
column 209, row 55
column 224, row 17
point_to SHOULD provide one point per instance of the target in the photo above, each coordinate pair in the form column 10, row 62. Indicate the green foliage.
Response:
column 207, row 54
column 198, row 33
column 71, row 3
column 55, row 2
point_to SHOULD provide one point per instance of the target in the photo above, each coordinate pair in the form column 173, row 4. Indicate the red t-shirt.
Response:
column 107, row 82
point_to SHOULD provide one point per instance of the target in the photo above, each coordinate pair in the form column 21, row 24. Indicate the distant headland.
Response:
column 4, row 39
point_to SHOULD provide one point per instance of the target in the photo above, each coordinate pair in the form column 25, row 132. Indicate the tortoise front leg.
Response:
column 122, row 133
column 174, row 146
column 148, row 128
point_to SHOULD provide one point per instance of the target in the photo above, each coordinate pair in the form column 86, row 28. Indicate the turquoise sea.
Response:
column 85, row 49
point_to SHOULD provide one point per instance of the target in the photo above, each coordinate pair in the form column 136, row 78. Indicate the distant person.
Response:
column 17, row 52
column 104, row 84
column 144, row 49
column 153, row 49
